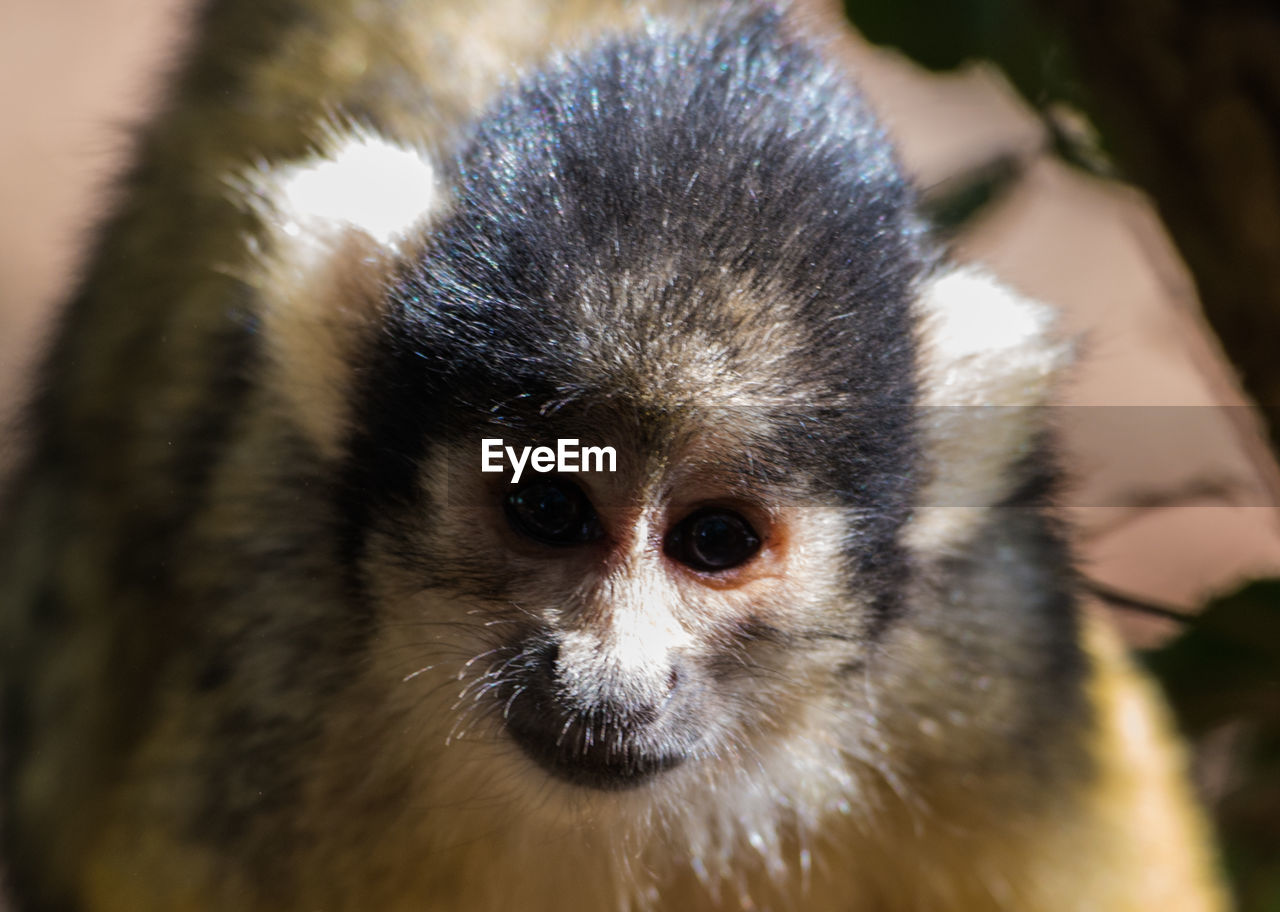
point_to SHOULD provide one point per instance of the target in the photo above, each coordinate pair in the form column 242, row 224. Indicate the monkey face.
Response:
column 608, row 693
column 736, row 324
column 634, row 622
column 732, row 290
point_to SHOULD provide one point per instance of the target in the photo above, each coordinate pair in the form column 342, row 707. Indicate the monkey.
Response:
column 274, row 636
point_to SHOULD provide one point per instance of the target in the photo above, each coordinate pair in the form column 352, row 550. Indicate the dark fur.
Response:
column 664, row 150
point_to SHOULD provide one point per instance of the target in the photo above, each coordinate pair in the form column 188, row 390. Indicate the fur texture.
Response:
column 271, row 640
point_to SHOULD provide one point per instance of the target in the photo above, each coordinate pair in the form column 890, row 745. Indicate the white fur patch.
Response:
column 363, row 182
column 334, row 225
column 989, row 361
column 984, row 344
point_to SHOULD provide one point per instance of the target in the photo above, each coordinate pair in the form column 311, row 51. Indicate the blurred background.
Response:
column 1117, row 158
column 1158, row 128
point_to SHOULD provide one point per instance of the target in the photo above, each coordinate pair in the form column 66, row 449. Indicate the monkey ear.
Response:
column 334, row 227
column 361, row 183
column 988, row 365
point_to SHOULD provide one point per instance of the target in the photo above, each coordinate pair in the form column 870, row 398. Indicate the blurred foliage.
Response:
column 1033, row 53
column 1226, row 664
column 954, row 204
column 1222, row 676
column 943, row 34
column 1186, row 98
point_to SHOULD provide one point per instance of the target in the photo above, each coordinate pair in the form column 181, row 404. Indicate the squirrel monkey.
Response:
column 303, row 607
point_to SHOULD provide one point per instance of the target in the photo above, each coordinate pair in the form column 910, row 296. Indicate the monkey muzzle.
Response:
column 602, row 734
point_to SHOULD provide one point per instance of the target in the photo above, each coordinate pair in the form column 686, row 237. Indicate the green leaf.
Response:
column 1223, row 675
column 1226, row 665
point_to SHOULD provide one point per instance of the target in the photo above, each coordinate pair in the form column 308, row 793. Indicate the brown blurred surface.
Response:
column 75, row 76
column 1172, row 505
column 1187, row 93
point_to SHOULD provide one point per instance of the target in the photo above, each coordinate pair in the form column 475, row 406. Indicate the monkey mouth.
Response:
column 592, row 756
column 602, row 746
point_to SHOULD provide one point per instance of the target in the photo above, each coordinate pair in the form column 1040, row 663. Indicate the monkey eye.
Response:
column 553, row 511
column 712, row 539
